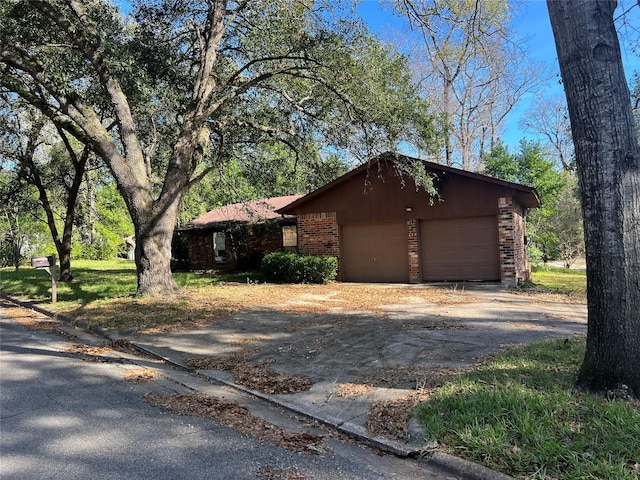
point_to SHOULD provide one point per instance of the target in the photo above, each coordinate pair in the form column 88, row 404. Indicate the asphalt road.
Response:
column 62, row 417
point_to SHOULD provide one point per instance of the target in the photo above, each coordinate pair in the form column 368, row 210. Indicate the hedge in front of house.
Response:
column 293, row 268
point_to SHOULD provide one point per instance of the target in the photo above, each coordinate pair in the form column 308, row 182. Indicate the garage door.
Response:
column 374, row 253
column 460, row 249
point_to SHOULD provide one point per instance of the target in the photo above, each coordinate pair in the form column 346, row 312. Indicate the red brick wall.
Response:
column 245, row 246
column 524, row 273
column 319, row 234
column 511, row 231
column 414, row 249
column 200, row 250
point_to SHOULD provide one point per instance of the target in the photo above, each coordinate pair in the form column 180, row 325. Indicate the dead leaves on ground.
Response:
column 257, row 376
column 86, row 350
column 391, row 419
column 29, row 319
column 350, row 390
column 194, row 308
column 416, row 376
column 238, row 417
column 140, row 375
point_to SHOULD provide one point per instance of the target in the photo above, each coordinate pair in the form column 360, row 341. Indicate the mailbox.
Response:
column 42, row 262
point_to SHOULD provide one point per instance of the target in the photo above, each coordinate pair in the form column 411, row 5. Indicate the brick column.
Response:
column 414, row 246
column 507, row 242
column 319, row 234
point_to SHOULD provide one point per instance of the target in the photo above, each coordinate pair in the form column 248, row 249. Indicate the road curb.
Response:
column 466, row 469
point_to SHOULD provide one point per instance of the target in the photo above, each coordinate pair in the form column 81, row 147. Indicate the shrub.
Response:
column 293, row 268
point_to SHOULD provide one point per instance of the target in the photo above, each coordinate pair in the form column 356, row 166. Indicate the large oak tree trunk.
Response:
column 608, row 163
column 155, row 220
column 153, row 256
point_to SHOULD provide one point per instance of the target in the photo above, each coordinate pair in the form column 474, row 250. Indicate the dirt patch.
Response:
column 38, row 325
column 86, row 350
column 410, row 376
column 238, row 417
column 122, row 345
column 29, row 319
column 422, row 325
column 125, row 346
column 140, row 375
column 391, row 419
column 349, row 390
column 257, row 376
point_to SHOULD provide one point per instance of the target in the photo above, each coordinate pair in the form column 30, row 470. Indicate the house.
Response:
column 383, row 229
column 237, row 236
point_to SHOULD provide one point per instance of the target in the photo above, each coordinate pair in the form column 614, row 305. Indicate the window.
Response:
column 219, row 250
column 289, row 236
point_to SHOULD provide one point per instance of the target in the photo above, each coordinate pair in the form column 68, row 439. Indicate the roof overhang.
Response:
column 526, row 196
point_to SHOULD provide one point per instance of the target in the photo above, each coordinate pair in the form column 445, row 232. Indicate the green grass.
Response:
column 95, row 281
column 520, row 414
column 559, row 280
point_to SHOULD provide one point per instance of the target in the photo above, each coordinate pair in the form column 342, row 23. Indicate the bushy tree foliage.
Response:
column 170, row 90
column 267, row 171
column 564, row 226
column 532, row 166
column 22, row 230
column 42, row 154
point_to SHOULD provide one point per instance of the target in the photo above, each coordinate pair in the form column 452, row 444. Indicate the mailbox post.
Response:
column 48, row 264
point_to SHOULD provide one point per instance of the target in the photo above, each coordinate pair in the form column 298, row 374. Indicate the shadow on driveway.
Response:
column 358, row 359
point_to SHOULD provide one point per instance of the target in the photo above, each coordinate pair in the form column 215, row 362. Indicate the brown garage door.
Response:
column 374, row 253
column 460, row 249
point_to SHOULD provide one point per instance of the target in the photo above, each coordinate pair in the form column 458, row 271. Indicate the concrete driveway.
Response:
column 358, row 359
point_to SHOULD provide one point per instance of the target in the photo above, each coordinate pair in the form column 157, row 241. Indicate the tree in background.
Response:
column 267, row 171
column 532, row 166
column 22, row 231
column 564, row 226
column 549, row 118
column 635, row 101
column 608, row 166
column 56, row 172
column 471, row 69
column 173, row 90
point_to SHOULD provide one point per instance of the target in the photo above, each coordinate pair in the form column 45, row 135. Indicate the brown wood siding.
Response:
column 374, row 252
column 384, row 199
column 460, row 249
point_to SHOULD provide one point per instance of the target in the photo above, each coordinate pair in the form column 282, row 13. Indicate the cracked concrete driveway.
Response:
column 407, row 344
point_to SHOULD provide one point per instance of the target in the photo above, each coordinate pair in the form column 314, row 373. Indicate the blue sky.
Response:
column 530, row 22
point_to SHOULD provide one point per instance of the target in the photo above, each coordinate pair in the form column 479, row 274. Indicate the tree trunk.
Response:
column 153, row 252
column 446, row 98
column 608, row 164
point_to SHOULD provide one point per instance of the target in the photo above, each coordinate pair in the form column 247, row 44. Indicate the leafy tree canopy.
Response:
column 169, row 90
column 530, row 166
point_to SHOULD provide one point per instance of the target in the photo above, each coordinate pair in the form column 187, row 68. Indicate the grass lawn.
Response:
column 559, row 280
column 519, row 413
column 96, row 281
